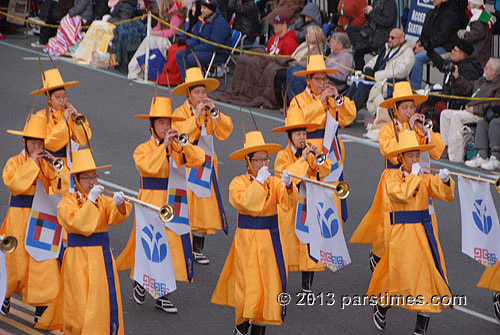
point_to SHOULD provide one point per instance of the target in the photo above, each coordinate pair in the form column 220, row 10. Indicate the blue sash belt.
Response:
column 219, row 201
column 102, row 240
column 270, row 223
column 151, row 183
column 389, row 165
column 59, row 153
column 423, row 217
column 22, row 201
column 188, row 254
column 319, row 133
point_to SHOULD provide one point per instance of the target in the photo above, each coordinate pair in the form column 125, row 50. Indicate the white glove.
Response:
column 118, row 198
column 444, row 174
column 106, row 18
column 263, row 174
column 286, row 179
column 416, row 169
column 95, row 192
column 461, row 33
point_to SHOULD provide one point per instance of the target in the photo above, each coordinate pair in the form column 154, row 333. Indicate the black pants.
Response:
column 361, row 46
column 49, row 13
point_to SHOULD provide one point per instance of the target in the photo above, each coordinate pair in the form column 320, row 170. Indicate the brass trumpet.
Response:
column 495, row 182
column 183, row 139
column 57, row 164
column 427, row 124
column 339, row 100
column 80, row 120
column 320, row 158
column 166, row 212
column 8, row 244
column 213, row 112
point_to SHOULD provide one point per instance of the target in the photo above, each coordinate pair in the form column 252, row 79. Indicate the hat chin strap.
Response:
column 250, row 167
column 403, row 163
column 80, row 188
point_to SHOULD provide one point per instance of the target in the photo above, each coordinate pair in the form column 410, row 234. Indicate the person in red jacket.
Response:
column 351, row 13
column 284, row 40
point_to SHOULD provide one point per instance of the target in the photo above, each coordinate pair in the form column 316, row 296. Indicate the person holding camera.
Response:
column 469, row 68
column 452, row 120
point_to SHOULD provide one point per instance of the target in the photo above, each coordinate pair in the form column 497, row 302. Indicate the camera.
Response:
column 450, row 67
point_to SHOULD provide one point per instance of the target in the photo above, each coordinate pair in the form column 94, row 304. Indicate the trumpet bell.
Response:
column 166, row 213
column 8, row 244
column 320, row 159
column 80, row 120
column 58, row 165
column 342, row 190
column 339, row 100
column 183, row 139
column 497, row 185
column 214, row 113
column 428, row 124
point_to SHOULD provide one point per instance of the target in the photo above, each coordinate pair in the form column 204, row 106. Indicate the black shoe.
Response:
column 307, row 280
column 496, row 305
column 200, row 258
column 258, row 330
column 198, row 244
column 5, row 307
column 373, row 261
column 38, row 312
column 139, row 293
column 166, row 305
column 241, row 329
column 421, row 324
column 379, row 319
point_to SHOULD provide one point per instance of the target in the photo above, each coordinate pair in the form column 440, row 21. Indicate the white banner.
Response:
column 177, row 197
column 331, row 149
column 153, row 267
column 3, row 277
column 480, row 228
column 43, row 232
column 200, row 180
column 326, row 238
column 74, row 148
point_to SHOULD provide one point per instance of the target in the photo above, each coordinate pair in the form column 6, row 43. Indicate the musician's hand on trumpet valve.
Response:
column 416, row 169
column 444, row 174
column 70, row 112
column 263, row 174
column 328, row 91
column 38, row 154
column 118, row 198
column 169, row 136
column 286, row 179
column 95, row 192
column 417, row 120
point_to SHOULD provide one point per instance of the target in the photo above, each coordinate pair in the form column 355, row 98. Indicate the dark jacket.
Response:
column 124, row 10
column 484, row 88
column 217, row 31
column 300, row 26
column 381, row 20
column 440, row 26
column 82, row 8
column 246, row 19
column 480, row 38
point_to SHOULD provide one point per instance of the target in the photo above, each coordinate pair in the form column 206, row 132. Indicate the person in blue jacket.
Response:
column 213, row 27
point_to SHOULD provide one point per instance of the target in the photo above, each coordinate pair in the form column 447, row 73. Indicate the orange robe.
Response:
column 36, row 282
column 371, row 229
column 297, row 253
column 202, row 217
column 491, row 278
column 82, row 305
column 407, row 267
column 250, row 280
column 152, row 162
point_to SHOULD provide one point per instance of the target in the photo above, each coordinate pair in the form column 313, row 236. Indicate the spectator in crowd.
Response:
column 309, row 16
column 161, row 35
column 290, row 8
column 468, row 67
column 341, row 53
column 51, row 12
column 394, row 61
column 440, row 29
column 121, row 10
column 451, row 121
column 381, row 17
column 212, row 27
column 351, row 14
column 478, row 31
column 253, row 80
column 223, row 7
column 82, row 8
column 487, row 140
column 246, row 18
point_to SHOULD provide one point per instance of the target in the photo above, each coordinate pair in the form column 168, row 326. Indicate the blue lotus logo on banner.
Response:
column 481, row 219
column 154, row 248
column 329, row 225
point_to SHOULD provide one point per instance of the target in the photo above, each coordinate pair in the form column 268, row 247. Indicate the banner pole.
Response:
column 146, row 60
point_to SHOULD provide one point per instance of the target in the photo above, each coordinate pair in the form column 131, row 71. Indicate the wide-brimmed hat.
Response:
column 194, row 77
column 408, row 141
column 402, row 92
column 82, row 161
column 161, row 107
column 315, row 64
column 296, row 121
column 254, row 141
column 35, row 127
column 52, row 80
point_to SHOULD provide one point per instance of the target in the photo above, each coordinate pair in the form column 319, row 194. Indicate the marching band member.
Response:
column 61, row 125
column 202, row 121
column 413, row 263
column 491, row 280
column 403, row 102
column 36, row 282
column 315, row 103
column 298, row 158
column 255, row 273
column 152, row 160
column 89, row 297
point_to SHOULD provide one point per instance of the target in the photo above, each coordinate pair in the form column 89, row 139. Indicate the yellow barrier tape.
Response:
column 242, row 51
column 57, row 26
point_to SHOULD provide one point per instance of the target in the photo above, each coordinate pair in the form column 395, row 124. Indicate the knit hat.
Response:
column 465, row 46
column 209, row 4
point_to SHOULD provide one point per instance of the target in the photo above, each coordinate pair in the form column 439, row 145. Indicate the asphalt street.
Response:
column 110, row 101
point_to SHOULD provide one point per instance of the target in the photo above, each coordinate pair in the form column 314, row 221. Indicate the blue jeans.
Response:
column 204, row 57
column 295, row 84
column 418, row 68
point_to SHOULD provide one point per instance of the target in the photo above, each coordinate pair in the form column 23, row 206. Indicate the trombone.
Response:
column 166, row 212
column 492, row 181
column 342, row 189
column 8, row 244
